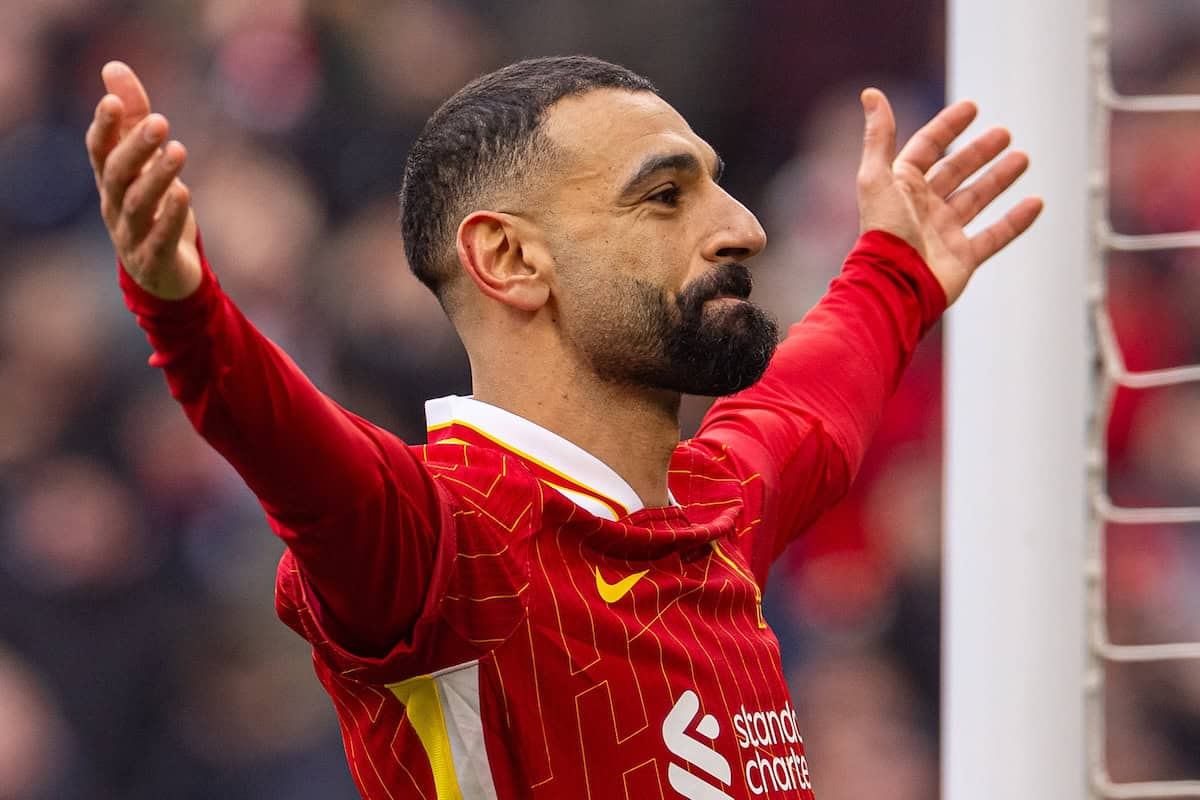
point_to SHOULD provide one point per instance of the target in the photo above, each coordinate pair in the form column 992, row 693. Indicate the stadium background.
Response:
column 139, row 656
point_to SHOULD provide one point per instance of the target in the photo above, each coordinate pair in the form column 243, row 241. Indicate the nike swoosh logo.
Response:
column 612, row 592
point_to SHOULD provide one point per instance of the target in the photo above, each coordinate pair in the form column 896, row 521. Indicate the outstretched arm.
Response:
column 804, row 428
column 358, row 511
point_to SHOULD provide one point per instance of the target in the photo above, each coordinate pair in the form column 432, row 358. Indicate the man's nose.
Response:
column 738, row 234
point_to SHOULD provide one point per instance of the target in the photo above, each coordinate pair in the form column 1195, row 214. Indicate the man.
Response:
column 556, row 597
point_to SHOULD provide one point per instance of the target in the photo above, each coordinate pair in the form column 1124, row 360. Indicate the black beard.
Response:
column 691, row 348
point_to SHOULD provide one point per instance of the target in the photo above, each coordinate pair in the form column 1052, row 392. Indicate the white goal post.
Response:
column 1017, row 395
column 1028, row 403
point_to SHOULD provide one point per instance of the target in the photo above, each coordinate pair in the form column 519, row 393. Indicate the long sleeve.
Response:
column 801, row 432
column 359, row 513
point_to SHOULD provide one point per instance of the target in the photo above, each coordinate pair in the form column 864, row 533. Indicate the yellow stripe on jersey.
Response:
column 424, row 708
column 762, row 622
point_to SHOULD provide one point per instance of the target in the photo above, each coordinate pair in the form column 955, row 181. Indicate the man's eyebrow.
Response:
column 677, row 162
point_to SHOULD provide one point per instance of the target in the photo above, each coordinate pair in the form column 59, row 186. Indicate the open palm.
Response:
column 919, row 195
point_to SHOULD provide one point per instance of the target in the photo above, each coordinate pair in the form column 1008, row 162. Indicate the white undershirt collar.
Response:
column 542, row 447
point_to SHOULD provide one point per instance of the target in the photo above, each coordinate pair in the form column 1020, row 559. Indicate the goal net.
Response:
column 1111, row 517
column 1040, row 668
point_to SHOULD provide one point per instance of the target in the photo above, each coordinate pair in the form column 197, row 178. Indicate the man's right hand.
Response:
column 146, row 208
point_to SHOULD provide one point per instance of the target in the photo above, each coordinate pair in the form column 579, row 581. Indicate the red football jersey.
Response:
column 495, row 614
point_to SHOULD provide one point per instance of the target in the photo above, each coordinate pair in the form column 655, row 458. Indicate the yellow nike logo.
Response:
column 612, row 592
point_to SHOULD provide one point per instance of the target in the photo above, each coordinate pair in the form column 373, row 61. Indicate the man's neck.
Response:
column 633, row 431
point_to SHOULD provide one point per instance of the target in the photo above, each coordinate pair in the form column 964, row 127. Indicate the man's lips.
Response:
column 725, row 282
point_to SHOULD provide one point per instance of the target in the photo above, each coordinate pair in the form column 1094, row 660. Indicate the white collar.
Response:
column 542, row 448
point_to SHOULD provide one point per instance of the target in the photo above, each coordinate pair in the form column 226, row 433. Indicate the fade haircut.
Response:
column 487, row 136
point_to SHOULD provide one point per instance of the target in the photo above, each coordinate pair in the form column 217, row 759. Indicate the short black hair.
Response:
column 487, row 134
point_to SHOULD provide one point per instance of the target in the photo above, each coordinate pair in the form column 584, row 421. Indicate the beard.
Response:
column 684, row 344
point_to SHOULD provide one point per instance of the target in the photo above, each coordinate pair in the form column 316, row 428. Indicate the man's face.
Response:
column 650, row 287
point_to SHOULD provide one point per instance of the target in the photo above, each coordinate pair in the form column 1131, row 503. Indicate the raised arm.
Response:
column 359, row 513
column 805, row 426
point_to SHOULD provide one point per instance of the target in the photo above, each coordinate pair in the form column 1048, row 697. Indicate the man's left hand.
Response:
column 917, row 195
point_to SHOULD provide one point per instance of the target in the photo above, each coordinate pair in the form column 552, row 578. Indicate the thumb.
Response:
column 879, row 134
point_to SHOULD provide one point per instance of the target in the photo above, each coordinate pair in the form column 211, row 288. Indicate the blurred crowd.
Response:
column 139, row 654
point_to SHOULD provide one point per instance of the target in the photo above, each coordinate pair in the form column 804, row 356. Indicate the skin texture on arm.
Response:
column 356, row 508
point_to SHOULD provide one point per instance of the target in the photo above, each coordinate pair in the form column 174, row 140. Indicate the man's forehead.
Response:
column 614, row 129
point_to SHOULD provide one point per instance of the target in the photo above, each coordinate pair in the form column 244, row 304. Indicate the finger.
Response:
column 952, row 171
column 969, row 201
column 927, row 145
column 879, row 135
column 102, row 135
column 145, row 194
column 163, row 237
column 120, row 80
column 998, row 235
column 126, row 161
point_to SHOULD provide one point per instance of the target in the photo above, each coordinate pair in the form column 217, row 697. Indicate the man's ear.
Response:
column 503, row 265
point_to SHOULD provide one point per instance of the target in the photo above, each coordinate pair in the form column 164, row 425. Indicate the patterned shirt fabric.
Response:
column 494, row 613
